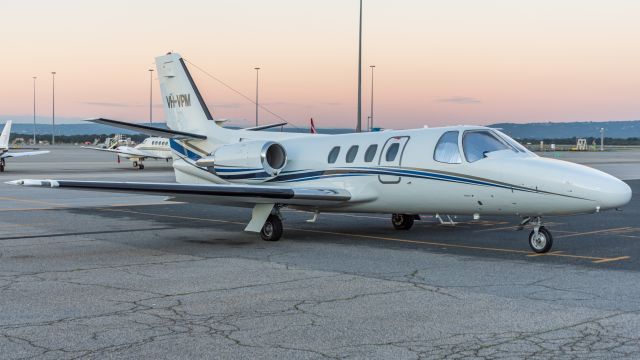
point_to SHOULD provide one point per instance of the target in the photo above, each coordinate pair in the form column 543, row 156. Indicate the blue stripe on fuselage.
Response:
column 179, row 148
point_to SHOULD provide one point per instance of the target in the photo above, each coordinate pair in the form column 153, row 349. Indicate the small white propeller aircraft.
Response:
column 149, row 148
column 465, row 170
column 4, row 147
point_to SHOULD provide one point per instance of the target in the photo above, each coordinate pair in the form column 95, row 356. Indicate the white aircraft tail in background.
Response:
column 4, row 147
column 458, row 170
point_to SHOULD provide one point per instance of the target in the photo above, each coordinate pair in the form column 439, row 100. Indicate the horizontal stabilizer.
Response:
column 149, row 130
column 265, row 127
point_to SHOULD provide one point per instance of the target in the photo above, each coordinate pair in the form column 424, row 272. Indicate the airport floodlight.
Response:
column 150, row 96
column 53, row 108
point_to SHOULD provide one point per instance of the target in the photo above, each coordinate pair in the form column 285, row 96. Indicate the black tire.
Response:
column 1, row 168
column 402, row 221
column 135, row 164
column 272, row 229
column 543, row 243
column 140, row 167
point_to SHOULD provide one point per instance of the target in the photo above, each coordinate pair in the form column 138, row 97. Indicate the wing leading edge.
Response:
column 207, row 193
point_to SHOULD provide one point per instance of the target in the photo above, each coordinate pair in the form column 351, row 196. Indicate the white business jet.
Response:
column 149, row 148
column 466, row 170
column 4, row 147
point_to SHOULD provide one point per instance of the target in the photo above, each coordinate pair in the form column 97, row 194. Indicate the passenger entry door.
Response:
column 391, row 156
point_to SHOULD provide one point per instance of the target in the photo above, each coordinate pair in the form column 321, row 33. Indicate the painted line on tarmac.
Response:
column 594, row 232
column 30, row 201
column 546, row 254
column 611, row 259
column 81, row 233
column 594, row 259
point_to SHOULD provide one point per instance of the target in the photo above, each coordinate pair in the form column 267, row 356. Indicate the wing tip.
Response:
column 33, row 182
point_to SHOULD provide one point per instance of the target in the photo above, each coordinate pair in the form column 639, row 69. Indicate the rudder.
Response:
column 4, row 137
column 184, row 107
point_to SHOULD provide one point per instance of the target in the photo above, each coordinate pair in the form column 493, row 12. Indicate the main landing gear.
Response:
column 2, row 164
column 272, row 228
column 540, row 239
column 138, row 164
column 402, row 221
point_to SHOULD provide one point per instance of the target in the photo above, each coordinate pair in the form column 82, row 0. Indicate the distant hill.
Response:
column 612, row 129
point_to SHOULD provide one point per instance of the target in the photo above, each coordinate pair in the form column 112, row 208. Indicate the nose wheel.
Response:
column 2, row 164
column 540, row 239
column 402, row 221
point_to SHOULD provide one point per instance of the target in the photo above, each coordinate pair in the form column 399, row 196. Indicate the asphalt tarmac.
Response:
column 88, row 274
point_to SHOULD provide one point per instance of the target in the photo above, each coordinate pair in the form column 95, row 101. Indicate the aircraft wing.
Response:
column 239, row 195
column 130, row 151
column 23, row 153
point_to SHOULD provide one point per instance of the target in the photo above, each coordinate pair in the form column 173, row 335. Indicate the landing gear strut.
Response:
column 402, row 221
column 540, row 239
column 2, row 165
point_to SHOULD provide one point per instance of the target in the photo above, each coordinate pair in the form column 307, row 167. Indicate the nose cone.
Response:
column 616, row 194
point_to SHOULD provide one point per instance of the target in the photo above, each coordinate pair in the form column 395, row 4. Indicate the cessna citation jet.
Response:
column 150, row 148
column 4, row 147
column 465, row 170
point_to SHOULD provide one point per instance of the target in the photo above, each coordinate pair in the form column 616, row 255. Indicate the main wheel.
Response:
column 135, row 164
column 140, row 167
column 272, row 229
column 402, row 221
column 1, row 168
column 542, row 242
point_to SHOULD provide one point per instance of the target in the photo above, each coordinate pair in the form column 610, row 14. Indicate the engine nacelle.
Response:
column 253, row 160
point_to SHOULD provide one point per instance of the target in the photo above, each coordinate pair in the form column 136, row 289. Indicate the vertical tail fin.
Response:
column 4, row 137
column 184, row 107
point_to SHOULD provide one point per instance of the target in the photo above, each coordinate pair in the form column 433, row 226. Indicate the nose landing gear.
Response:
column 2, row 164
column 540, row 239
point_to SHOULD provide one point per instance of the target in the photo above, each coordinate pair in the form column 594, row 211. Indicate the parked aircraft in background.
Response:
column 150, row 148
column 465, row 170
column 4, row 147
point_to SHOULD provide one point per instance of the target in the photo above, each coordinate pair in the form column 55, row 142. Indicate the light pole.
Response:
column 359, row 124
column 150, row 96
column 34, row 109
column 53, row 108
column 257, row 78
column 371, row 116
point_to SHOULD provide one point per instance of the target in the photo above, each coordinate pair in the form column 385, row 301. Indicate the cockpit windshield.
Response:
column 512, row 142
column 478, row 143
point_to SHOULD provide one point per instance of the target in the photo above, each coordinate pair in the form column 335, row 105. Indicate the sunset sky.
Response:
column 437, row 62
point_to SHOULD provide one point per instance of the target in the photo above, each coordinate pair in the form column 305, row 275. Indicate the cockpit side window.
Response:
column 447, row 150
column 478, row 143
